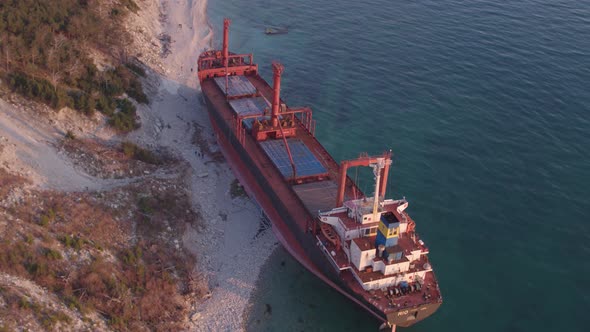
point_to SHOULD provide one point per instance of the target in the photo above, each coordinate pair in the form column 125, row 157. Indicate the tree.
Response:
column 53, row 58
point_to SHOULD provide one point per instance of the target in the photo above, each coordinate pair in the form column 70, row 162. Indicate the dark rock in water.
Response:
column 276, row 31
column 282, row 263
column 268, row 309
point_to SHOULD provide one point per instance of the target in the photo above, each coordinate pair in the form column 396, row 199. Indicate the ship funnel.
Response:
column 226, row 24
column 277, row 70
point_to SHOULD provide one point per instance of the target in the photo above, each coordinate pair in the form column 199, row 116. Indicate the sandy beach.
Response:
column 231, row 250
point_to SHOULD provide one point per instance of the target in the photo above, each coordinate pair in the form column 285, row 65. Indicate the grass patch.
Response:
column 70, row 135
column 47, row 217
column 52, row 254
column 138, row 153
column 72, row 242
column 133, row 255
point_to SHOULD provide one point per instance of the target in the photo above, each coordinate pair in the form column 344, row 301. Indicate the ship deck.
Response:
column 382, row 298
column 310, row 157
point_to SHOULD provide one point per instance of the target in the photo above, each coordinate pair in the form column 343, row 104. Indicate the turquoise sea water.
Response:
column 486, row 105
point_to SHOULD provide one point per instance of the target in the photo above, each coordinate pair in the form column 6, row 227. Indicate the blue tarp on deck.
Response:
column 306, row 164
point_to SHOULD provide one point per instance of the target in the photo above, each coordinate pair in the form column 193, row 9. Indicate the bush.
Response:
column 83, row 102
column 44, row 220
column 39, row 90
column 138, row 153
column 105, row 105
column 47, row 218
column 29, row 239
column 52, row 254
column 51, row 318
column 145, row 205
column 73, row 303
column 124, row 119
column 72, row 242
column 236, row 189
column 70, row 135
column 133, row 255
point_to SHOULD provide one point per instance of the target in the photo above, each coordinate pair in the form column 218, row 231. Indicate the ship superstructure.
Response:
column 364, row 247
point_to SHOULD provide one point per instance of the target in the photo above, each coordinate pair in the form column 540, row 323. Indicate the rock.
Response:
column 195, row 317
column 203, row 175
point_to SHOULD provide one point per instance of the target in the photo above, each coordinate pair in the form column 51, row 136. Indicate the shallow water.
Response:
column 486, row 107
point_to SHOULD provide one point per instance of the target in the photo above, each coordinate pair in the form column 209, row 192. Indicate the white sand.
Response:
column 229, row 254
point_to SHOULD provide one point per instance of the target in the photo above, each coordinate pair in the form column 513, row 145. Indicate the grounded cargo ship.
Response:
column 367, row 248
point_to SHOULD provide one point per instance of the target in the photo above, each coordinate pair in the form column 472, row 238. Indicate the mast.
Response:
column 377, row 167
column 226, row 24
column 277, row 70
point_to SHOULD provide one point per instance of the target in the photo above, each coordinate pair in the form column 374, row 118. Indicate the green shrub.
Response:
column 145, row 205
column 133, row 151
column 39, row 90
column 73, row 303
column 52, row 254
column 124, row 119
column 133, row 255
column 29, row 239
column 36, row 269
column 236, row 189
column 72, row 242
column 47, row 217
column 44, row 220
column 83, row 102
column 105, row 105
column 49, row 319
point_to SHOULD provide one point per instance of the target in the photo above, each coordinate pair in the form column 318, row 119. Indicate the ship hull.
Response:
column 300, row 244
